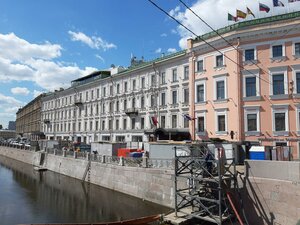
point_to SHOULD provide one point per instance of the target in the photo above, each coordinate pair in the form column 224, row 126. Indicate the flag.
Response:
column 232, row 18
column 263, row 7
column 187, row 117
column 249, row 12
column 240, row 14
column 293, row 1
column 153, row 120
column 277, row 3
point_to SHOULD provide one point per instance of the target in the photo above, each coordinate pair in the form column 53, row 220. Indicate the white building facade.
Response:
column 123, row 104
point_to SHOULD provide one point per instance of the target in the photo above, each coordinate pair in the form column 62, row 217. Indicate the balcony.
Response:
column 78, row 102
column 131, row 112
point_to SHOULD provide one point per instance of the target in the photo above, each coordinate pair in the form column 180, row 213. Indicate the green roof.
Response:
column 249, row 23
column 157, row 60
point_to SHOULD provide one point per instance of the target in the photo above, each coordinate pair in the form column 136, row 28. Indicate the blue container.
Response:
column 255, row 155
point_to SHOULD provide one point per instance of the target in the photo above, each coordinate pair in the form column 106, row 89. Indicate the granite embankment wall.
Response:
column 155, row 185
column 271, row 192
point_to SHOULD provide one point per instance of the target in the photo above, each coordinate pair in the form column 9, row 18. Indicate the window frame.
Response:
column 252, row 110
column 282, row 48
column 280, row 109
column 218, row 78
column 277, row 71
column 247, row 74
column 216, row 61
column 254, row 54
column 221, row 112
column 197, row 83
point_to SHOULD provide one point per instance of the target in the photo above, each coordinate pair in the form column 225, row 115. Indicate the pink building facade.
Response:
column 246, row 88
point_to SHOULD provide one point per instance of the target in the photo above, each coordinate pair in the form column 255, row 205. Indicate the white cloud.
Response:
column 24, row 61
column 100, row 57
column 215, row 14
column 20, row 91
column 163, row 35
column 172, row 50
column 158, row 50
column 93, row 41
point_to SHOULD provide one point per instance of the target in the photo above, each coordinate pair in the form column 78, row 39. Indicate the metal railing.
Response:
column 162, row 163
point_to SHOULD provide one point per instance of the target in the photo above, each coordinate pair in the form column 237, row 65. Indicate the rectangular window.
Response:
column 280, row 122
column 117, row 124
column 142, row 123
column 219, row 61
column 133, row 103
column 174, row 121
column 174, row 97
column 153, row 101
column 186, row 73
column 220, row 85
column 186, row 123
column 186, row 95
column 297, row 49
column 110, row 123
column 118, row 88
column 250, row 86
column 104, row 92
column 298, row 82
column 200, row 66
column 249, row 54
column 117, row 106
column 278, row 84
column 200, row 93
column 163, row 78
column 221, row 123
column 277, row 51
column 143, row 82
column 91, row 125
column 163, row 99
column 125, row 87
column 98, row 93
column 92, row 94
column 97, row 125
column 103, row 124
column 125, row 104
column 86, row 96
column 142, row 102
column 132, row 123
column 252, row 122
column 124, row 124
column 174, row 75
column 163, row 121
column 153, row 80
column 133, row 85
column 201, row 126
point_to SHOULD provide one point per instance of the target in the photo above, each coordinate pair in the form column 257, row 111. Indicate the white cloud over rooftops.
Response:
column 93, row 41
column 20, row 91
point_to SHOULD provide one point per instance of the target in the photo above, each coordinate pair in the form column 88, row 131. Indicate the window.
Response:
column 118, row 88
column 111, row 90
column 162, row 78
column 142, row 123
column 125, row 104
column 200, row 66
column 186, row 96
column 219, row 61
column 98, row 93
column 92, row 94
column 86, row 96
column 298, row 82
column 117, row 106
column 91, row 125
column 221, row 121
column 153, row 80
column 278, row 84
column 103, row 108
column 186, row 73
column 142, row 102
column 174, row 121
column 110, row 124
column 103, row 124
column 143, row 82
column 297, row 49
column 133, row 103
column 117, row 124
column 252, row 122
column 125, row 87
column 79, row 126
column 174, row 75
column 104, row 92
column 124, row 124
column 111, row 107
column 163, row 121
column 97, row 125
column 132, row 123
column 200, row 93
column 97, row 109
column 174, row 97
column 220, row 89
column 200, row 123
column 277, row 51
column 153, row 101
column 163, row 99
column 186, row 123
column 280, row 120
column 250, row 86
column 249, row 54
column 85, row 126
column 134, row 85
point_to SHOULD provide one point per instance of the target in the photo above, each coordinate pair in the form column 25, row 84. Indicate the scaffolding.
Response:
column 203, row 179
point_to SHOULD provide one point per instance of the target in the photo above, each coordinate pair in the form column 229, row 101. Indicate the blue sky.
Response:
column 46, row 44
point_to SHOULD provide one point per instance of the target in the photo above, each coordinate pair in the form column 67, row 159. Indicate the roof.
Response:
column 91, row 77
column 248, row 23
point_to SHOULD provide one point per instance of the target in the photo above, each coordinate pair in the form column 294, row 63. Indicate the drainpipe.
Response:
column 192, row 96
column 240, row 111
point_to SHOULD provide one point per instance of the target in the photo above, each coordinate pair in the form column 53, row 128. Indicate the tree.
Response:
column 1, row 127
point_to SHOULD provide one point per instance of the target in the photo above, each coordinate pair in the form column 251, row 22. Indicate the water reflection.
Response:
column 27, row 196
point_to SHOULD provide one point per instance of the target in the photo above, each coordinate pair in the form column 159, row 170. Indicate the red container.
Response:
column 125, row 151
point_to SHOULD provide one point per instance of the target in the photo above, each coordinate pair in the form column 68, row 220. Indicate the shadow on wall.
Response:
column 256, row 207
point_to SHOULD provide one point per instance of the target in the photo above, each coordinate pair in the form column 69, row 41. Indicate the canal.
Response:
column 27, row 196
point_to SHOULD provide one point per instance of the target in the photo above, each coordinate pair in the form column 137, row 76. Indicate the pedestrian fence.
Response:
column 113, row 160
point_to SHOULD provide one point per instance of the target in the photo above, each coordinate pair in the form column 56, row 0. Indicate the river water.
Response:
column 27, row 196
